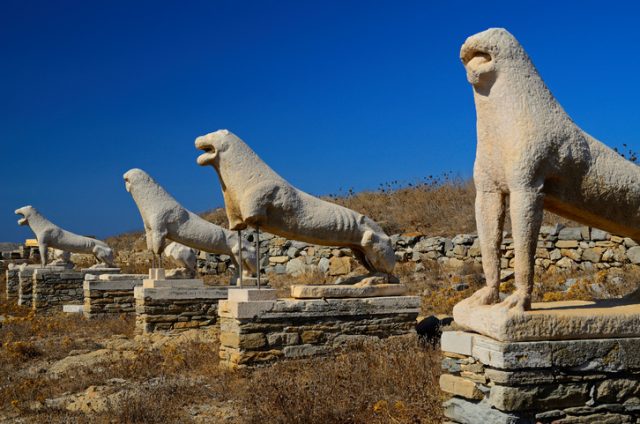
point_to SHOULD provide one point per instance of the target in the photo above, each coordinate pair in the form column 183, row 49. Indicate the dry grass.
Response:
column 366, row 383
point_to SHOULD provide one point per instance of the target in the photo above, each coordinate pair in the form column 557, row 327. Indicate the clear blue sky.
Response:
column 331, row 94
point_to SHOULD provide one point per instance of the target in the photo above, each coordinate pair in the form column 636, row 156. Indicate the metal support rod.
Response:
column 240, row 258
column 258, row 256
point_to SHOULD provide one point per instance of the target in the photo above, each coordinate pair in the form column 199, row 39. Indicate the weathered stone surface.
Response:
column 553, row 320
column 50, row 235
column 246, row 180
column 633, row 254
column 468, row 412
column 166, row 219
column 539, row 397
column 525, row 142
column 460, row 387
column 341, row 291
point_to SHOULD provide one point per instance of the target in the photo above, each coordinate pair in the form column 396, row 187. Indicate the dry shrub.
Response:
column 435, row 205
column 371, row 382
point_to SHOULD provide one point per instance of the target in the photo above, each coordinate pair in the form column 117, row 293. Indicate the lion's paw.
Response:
column 484, row 296
column 516, row 303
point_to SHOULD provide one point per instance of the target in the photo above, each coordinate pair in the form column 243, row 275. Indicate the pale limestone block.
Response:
column 50, row 235
column 340, row 291
column 552, row 320
column 251, row 295
column 460, row 342
column 460, row 387
column 470, row 412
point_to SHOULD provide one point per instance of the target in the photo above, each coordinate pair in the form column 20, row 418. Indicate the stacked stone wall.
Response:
column 25, row 286
column 176, row 309
column 110, row 294
column 560, row 382
column 12, row 284
column 292, row 328
column 52, row 289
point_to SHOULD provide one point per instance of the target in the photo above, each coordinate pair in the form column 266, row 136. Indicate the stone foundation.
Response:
column 12, row 284
column 560, row 382
column 257, row 328
column 44, row 289
column 176, row 305
column 109, row 294
column 25, row 285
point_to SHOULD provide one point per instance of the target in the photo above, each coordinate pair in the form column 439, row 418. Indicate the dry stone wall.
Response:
column 176, row 309
column 254, row 333
column 561, row 248
column 560, row 382
column 109, row 294
column 52, row 288
column 12, row 284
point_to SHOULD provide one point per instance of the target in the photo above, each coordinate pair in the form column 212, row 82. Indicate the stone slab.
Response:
column 565, row 320
column 107, row 285
column 251, row 295
column 73, row 309
column 183, row 293
column 312, row 308
column 346, row 291
column 101, row 270
column 459, row 342
column 469, row 412
column 174, row 283
column 588, row 355
column 117, row 277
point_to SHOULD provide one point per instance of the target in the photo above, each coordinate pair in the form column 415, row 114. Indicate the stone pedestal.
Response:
column 590, row 376
column 25, row 284
column 110, row 294
column 256, row 328
column 13, row 284
column 175, row 305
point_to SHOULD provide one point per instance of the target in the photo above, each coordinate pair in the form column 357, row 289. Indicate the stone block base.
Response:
column 170, row 307
column 568, row 381
column 110, row 294
column 259, row 329
column 13, row 284
column 573, row 319
column 53, row 288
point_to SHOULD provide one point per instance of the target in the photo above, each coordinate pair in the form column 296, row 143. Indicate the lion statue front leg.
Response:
column 526, row 218
column 490, row 212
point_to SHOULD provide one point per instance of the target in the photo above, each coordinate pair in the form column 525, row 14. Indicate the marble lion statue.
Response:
column 530, row 150
column 255, row 195
column 50, row 235
column 184, row 257
column 165, row 219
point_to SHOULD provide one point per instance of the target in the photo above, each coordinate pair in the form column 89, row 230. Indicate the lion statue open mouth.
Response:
column 50, row 235
column 255, row 195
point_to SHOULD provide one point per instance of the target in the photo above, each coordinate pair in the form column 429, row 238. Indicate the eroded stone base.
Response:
column 569, row 381
column 565, row 320
column 53, row 287
column 255, row 332
column 176, row 305
column 13, row 284
column 343, row 291
column 109, row 294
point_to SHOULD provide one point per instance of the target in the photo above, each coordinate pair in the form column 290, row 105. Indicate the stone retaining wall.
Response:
column 560, row 382
column 12, row 284
column 258, row 332
column 569, row 248
column 53, row 288
column 110, row 294
column 171, row 309
column 25, row 286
